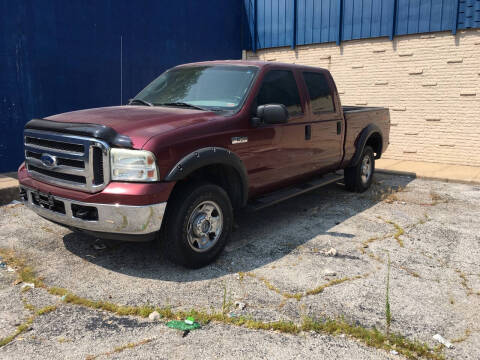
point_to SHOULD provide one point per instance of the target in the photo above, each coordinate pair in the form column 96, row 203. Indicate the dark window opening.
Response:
column 280, row 87
column 321, row 99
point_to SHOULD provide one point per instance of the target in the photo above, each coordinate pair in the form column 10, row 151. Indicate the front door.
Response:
column 288, row 157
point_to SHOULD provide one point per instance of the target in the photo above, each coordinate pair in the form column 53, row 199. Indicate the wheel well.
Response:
column 375, row 142
column 219, row 174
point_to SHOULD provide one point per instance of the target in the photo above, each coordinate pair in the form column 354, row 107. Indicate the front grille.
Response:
column 58, row 175
column 69, row 161
column 49, row 144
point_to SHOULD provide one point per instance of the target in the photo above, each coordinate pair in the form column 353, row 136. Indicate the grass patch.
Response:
column 399, row 232
column 464, row 282
column 320, row 288
column 463, row 337
column 24, row 272
column 119, row 349
column 122, row 310
column 20, row 329
column 298, row 296
column 374, row 338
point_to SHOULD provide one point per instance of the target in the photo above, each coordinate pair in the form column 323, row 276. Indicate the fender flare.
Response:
column 210, row 156
column 362, row 140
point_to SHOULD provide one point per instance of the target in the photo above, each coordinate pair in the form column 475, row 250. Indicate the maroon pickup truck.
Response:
column 199, row 142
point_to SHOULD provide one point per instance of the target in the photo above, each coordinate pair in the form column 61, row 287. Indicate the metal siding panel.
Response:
column 333, row 9
column 387, row 20
column 469, row 14
column 435, row 16
column 281, row 24
column 413, row 16
column 59, row 56
column 376, row 19
column 357, row 19
column 327, row 17
column 301, row 22
column 317, row 21
column 448, row 14
column 347, row 24
column 402, row 17
column 424, row 16
column 366, row 19
column 309, row 21
column 261, row 26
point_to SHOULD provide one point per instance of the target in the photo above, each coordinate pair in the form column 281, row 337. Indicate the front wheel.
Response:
column 198, row 224
column 359, row 178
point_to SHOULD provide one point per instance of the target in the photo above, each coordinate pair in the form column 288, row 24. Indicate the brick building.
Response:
column 430, row 80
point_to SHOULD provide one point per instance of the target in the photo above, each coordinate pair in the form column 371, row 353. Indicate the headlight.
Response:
column 133, row 165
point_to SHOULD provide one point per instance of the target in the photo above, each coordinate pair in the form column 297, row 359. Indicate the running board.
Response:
column 292, row 191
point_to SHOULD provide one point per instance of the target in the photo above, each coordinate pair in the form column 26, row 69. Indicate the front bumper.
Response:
column 99, row 218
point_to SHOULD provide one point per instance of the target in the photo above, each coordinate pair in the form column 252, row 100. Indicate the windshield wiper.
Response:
column 183, row 104
column 140, row 101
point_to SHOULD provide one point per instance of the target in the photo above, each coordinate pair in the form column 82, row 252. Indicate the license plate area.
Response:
column 48, row 201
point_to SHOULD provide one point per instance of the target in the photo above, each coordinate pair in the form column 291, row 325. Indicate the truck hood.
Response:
column 140, row 123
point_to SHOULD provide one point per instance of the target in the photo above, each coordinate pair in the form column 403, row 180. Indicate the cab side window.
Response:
column 280, row 87
column 321, row 99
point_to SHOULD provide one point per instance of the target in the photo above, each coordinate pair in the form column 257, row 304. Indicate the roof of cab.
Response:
column 256, row 63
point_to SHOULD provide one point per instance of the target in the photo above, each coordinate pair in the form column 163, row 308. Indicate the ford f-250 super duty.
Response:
column 199, row 142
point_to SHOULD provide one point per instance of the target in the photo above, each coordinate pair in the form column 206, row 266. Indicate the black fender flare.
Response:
column 362, row 140
column 210, row 156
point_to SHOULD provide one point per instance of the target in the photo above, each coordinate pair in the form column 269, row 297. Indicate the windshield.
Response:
column 209, row 87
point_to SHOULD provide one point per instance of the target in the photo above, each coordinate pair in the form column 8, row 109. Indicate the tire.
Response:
column 198, row 224
column 359, row 178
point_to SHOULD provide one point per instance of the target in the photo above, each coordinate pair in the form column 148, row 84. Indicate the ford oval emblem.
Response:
column 48, row 160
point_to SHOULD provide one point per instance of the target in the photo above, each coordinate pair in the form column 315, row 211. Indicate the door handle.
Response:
column 308, row 132
column 339, row 127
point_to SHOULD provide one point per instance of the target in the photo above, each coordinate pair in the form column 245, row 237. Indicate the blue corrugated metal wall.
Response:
column 275, row 23
column 57, row 55
column 469, row 14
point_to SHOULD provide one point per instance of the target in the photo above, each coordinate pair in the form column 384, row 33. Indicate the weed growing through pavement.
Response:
column 388, row 314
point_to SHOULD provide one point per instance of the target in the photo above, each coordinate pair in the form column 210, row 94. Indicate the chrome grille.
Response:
column 76, row 162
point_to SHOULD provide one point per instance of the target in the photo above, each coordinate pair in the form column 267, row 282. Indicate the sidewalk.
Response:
column 8, row 187
column 433, row 171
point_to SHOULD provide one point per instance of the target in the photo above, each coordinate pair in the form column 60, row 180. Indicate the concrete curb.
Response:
column 8, row 188
column 427, row 177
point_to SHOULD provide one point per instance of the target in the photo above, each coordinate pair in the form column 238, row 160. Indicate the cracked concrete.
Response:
column 434, row 278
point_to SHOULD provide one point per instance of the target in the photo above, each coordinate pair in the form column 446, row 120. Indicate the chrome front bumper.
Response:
column 117, row 219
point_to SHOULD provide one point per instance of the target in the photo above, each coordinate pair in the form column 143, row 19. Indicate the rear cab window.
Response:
column 321, row 97
column 280, row 87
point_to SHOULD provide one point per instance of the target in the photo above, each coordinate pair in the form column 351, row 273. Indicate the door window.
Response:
column 321, row 99
column 280, row 87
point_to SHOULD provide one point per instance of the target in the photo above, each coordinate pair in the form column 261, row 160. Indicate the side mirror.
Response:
column 271, row 114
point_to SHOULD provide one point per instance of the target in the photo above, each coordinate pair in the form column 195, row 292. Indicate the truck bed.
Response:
column 358, row 118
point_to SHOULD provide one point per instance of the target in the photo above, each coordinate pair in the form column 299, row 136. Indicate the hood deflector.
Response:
column 96, row 131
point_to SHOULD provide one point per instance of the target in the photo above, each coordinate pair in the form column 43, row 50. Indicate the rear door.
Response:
column 326, row 120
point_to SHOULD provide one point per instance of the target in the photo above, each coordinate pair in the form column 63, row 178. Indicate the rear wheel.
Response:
column 359, row 178
column 198, row 223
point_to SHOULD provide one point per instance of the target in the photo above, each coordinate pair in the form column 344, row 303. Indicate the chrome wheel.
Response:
column 366, row 169
column 205, row 226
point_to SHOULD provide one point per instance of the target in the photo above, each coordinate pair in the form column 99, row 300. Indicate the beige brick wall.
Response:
column 430, row 82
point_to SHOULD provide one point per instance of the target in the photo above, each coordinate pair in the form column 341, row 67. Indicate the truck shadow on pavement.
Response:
column 310, row 223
